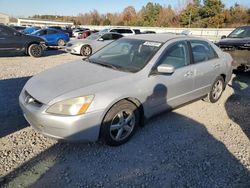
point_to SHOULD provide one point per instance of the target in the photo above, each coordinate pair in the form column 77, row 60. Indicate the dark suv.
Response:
column 237, row 43
column 12, row 40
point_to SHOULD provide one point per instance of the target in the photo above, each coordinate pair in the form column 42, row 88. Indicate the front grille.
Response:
column 28, row 99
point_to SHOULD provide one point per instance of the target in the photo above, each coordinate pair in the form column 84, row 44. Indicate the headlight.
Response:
column 71, row 107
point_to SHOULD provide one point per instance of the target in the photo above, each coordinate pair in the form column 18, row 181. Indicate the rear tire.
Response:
column 217, row 89
column 120, row 123
column 86, row 51
column 35, row 50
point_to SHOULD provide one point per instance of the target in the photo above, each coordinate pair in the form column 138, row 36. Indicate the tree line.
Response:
column 193, row 13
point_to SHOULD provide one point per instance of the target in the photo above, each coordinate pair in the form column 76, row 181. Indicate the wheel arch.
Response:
column 133, row 100
column 28, row 45
column 224, row 78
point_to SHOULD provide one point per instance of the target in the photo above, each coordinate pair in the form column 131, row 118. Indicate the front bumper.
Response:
column 43, row 45
column 84, row 127
column 73, row 49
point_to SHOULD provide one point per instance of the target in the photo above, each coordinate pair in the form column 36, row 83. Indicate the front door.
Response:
column 171, row 90
column 10, row 40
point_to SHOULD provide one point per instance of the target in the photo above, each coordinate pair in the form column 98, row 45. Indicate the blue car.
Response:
column 53, row 37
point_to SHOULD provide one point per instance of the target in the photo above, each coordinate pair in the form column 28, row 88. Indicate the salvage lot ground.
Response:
column 199, row 145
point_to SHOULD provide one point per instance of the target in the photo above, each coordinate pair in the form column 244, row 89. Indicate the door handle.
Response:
column 2, row 38
column 216, row 65
column 188, row 73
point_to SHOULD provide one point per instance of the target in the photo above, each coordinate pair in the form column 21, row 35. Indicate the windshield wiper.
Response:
column 115, row 67
column 105, row 65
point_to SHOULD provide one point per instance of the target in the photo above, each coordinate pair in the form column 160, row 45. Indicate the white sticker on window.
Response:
column 155, row 44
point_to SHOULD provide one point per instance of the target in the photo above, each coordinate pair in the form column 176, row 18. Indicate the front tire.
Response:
column 217, row 89
column 61, row 43
column 86, row 51
column 35, row 50
column 120, row 123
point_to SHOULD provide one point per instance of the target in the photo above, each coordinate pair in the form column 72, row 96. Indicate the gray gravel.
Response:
column 199, row 145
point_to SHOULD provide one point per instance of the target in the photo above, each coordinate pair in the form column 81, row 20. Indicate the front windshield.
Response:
column 35, row 32
column 93, row 36
column 126, row 54
column 240, row 32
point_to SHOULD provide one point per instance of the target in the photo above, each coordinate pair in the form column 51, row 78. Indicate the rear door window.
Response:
column 202, row 51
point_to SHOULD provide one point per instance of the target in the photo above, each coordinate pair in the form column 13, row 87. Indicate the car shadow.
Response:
column 11, row 117
column 237, row 105
column 48, row 52
column 171, row 150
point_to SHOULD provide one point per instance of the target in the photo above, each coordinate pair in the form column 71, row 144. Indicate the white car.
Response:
column 91, row 44
column 121, row 30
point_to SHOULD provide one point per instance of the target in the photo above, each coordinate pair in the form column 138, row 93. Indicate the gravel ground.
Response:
column 198, row 145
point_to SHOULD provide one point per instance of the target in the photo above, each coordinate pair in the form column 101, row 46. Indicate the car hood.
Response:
column 81, row 41
column 234, row 41
column 66, row 78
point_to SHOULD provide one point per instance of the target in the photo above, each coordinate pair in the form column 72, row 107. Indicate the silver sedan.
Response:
column 91, row 44
column 108, row 95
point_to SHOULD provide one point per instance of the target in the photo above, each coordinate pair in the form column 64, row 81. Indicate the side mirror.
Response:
column 101, row 39
column 167, row 69
column 223, row 36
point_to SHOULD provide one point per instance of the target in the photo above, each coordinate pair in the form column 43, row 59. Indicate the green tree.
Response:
column 191, row 14
column 150, row 13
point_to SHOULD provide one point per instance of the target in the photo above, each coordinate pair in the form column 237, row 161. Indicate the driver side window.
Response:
column 4, row 32
column 176, row 55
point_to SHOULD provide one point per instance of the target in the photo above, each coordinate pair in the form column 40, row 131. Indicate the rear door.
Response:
column 206, row 65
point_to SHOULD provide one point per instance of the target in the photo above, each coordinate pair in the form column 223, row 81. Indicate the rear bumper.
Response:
column 85, row 127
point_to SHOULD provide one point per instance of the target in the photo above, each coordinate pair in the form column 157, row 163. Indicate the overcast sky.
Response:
column 24, row 8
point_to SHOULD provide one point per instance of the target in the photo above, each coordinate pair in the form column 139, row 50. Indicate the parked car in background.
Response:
column 30, row 30
column 13, row 41
column 53, row 37
column 237, row 43
column 18, row 28
column 91, row 44
column 64, row 29
column 108, row 95
column 85, row 34
column 122, row 30
column 78, row 30
column 148, row 32
column 137, row 31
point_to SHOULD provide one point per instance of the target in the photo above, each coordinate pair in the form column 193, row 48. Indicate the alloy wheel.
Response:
column 122, row 125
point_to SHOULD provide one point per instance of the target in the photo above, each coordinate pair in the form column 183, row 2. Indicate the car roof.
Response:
column 157, row 37
column 103, row 33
